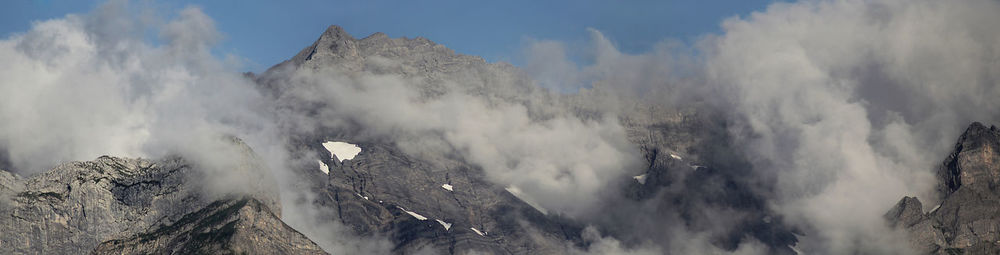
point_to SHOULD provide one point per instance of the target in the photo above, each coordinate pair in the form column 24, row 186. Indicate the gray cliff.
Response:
column 968, row 219
column 79, row 205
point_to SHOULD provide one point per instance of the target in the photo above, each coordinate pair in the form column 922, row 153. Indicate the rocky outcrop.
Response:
column 968, row 219
column 76, row 206
column 974, row 164
column 230, row 226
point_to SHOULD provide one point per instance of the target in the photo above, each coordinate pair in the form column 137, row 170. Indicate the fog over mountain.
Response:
column 793, row 130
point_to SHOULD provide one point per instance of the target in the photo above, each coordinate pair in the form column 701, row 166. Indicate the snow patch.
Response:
column 477, row 231
column 935, row 208
column 447, row 187
column 517, row 193
column 675, row 156
column 695, row 167
column 444, row 224
column 415, row 215
column 323, row 167
column 796, row 250
column 342, row 150
column 640, row 178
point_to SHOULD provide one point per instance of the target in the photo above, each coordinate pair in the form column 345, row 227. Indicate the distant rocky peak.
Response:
column 336, row 33
column 974, row 163
column 907, row 212
column 337, row 48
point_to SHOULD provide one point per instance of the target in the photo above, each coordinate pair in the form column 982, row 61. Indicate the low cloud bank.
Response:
column 842, row 106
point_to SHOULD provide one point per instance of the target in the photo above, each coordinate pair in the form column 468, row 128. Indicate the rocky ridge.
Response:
column 241, row 225
column 967, row 220
column 78, row 205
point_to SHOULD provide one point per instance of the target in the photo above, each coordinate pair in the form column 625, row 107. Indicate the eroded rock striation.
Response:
column 241, row 225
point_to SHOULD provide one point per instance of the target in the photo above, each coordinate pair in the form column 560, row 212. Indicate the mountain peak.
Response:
column 907, row 212
column 974, row 162
column 334, row 43
column 336, row 33
column 337, row 48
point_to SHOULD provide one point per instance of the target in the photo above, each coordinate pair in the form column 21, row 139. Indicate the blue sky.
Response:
column 267, row 32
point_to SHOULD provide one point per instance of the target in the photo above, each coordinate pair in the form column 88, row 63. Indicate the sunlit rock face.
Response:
column 974, row 163
column 967, row 221
column 78, row 205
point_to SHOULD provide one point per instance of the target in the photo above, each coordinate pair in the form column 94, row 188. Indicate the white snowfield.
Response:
column 640, row 178
column 795, row 249
column 323, row 167
column 342, row 150
column 447, row 187
column 477, row 231
column 675, row 156
column 444, row 224
column 415, row 215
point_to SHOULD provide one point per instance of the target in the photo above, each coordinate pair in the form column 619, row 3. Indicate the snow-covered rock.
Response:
column 444, row 224
column 342, row 150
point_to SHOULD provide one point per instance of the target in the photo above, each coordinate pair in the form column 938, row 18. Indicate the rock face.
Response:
column 229, row 226
column 76, row 206
column 968, row 219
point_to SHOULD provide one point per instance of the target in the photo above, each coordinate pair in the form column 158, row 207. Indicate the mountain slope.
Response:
column 968, row 219
column 230, row 226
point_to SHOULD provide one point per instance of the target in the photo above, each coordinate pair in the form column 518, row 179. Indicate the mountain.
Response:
column 384, row 190
column 968, row 218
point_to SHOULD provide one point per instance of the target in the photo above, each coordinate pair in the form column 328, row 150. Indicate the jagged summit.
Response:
column 336, row 33
column 337, row 48
column 430, row 66
column 973, row 162
column 967, row 219
column 333, row 43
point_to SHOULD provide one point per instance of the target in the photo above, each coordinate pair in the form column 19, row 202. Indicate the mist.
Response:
column 840, row 108
column 843, row 106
